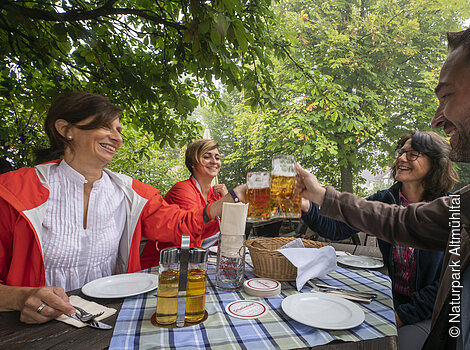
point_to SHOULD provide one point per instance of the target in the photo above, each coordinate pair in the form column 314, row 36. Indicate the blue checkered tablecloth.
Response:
column 274, row 330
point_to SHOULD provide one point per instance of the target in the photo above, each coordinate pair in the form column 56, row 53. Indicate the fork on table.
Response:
column 85, row 316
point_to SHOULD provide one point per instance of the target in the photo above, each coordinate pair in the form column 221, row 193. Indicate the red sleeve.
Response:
column 9, row 215
column 166, row 223
column 185, row 195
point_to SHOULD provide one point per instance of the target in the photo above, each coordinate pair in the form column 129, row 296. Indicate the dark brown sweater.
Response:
column 432, row 226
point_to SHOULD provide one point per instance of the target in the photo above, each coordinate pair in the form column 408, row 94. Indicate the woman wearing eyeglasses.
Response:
column 422, row 172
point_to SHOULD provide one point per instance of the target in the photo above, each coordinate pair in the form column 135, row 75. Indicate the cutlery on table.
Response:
column 342, row 295
column 84, row 315
column 348, row 291
column 92, row 323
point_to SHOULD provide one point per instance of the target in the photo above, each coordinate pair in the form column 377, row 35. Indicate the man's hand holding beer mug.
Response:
column 308, row 187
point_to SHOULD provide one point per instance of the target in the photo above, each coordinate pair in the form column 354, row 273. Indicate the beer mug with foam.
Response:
column 258, row 195
column 284, row 201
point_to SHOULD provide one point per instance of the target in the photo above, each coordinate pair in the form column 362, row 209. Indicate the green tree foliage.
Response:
column 157, row 59
column 141, row 158
column 357, row 75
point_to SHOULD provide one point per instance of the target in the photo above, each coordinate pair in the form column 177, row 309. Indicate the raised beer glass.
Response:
column 284, row 202
column 258, row 196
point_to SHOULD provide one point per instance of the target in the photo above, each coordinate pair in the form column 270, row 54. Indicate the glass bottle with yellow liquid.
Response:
column 167, row 293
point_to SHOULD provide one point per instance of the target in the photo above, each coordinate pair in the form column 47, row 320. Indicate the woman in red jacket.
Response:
column 202, row 158
column 71, row 220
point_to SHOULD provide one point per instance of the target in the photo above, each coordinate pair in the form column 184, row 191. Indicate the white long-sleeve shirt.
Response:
column 73, row 255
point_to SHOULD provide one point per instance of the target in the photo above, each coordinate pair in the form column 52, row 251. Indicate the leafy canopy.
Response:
column 158, row 59
column 353, row 78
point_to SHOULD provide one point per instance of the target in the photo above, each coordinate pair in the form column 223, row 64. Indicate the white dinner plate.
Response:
column 120, row 286
column 364, row 262
column 323, row 311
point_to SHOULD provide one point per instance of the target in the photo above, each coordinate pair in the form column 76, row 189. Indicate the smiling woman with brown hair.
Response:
column 422, row 171
column 69, row 221
column 202, row 158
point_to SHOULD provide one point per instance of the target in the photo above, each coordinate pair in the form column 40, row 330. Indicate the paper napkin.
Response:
column 311, row 262
column 233, row 218
column 89, row 306
column 232, row 228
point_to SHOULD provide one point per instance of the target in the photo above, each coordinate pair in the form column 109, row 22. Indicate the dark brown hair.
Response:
column 442, row 176
column 196, row 151
column 462, row 38
column 75, row 107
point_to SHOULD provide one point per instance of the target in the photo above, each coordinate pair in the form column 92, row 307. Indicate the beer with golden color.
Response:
column 258, row 196
column 284, row 201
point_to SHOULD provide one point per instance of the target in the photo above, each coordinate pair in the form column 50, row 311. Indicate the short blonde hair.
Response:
column 196, row 151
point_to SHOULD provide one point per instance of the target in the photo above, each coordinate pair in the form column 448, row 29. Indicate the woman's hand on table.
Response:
column 36, row 305
column 220, row 189
column 308, row 186
column 55, row 300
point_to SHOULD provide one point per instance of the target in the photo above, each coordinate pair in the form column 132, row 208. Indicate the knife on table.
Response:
column 347, row 291
column 340, row 294
column 93, row 323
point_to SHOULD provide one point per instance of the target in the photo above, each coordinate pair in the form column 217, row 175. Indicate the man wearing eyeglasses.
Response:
column 440, row 225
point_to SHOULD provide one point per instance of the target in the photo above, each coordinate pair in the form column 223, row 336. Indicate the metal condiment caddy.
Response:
column 182, row 286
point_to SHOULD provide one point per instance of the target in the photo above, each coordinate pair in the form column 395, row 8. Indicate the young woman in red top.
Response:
column 202, row 159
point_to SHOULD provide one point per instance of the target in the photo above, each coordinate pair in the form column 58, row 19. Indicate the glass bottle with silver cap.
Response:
column 182, row 285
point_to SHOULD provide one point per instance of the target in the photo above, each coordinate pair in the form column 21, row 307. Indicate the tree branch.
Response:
column 76, row 15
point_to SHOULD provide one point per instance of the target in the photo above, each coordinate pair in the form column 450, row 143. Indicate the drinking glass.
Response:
column 258, row 195
column 284, row 202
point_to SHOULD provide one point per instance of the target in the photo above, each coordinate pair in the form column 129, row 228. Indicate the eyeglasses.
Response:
column 411, row 155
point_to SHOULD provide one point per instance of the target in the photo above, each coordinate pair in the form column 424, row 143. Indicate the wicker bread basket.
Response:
column 269, row 263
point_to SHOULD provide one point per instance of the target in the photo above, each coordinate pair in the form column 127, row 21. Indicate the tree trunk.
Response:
column 346, row 178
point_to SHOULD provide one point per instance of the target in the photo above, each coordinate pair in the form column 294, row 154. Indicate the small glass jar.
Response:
column 168, row 283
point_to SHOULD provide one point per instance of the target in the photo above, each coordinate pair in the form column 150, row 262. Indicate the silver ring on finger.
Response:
column 39, row 309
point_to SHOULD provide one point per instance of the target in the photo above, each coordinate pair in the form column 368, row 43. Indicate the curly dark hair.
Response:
column 442, row 176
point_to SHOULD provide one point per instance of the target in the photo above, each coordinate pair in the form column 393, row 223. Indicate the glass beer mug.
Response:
column 258, row 195
column 284, row 201
column 168, row 286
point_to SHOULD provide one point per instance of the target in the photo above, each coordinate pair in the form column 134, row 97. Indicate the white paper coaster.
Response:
column 246, row 309
column 262, row 284
column 262, row 287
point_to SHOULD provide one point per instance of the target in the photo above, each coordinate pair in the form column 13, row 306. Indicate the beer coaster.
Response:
column 262, row 287
column 246, row 309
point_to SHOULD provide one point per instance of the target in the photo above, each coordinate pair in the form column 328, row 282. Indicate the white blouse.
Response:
column 73, row 255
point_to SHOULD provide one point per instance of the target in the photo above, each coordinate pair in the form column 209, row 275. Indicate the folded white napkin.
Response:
column 232, row 228
column 233, row 218
column 310, row 262
column 89, row 306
